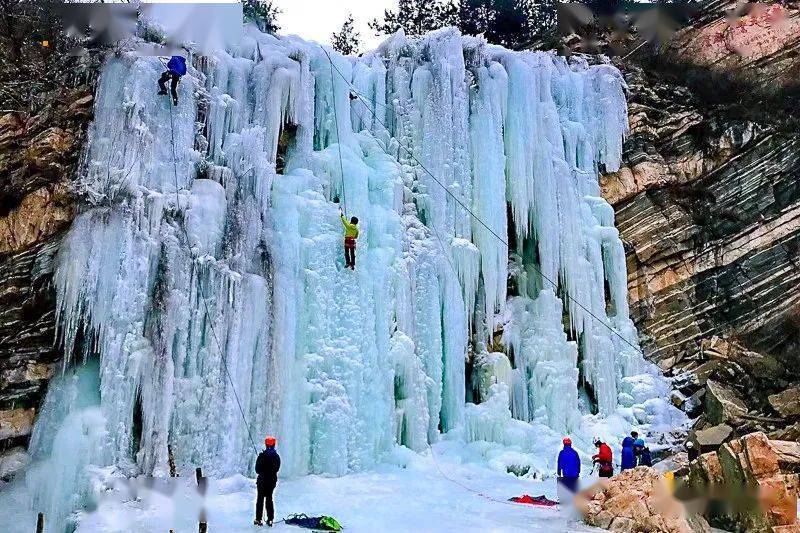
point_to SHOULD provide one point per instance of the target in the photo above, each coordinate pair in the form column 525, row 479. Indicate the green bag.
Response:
column 330, row 523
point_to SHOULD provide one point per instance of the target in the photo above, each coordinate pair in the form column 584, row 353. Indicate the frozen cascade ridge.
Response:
column 203, row 282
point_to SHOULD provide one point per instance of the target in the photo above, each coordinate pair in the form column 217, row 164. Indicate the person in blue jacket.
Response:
column 569, row 466
column 628, row 455
column 176, row 67
column 643, row 456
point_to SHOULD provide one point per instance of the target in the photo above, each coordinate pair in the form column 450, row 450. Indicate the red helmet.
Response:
column 567, row 441
column 269, row 441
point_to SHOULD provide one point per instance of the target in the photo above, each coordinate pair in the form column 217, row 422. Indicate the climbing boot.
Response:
column 258, row 523
column 269, row 523
column 174, row 101
column 162, row 92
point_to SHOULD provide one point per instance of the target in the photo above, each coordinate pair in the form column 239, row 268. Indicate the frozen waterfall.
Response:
column 203, row 287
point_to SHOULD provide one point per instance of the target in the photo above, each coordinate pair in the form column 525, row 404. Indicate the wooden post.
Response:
column 201, row 488
column 202, row 483
column 40, row 523
column 173, row 472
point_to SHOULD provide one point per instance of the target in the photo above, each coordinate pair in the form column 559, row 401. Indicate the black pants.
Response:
column 265, row 496
column 162, row 83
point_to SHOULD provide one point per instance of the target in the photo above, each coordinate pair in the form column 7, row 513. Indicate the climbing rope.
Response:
column 470, row 489
column 338, row 132
column 199, row 293
column 469, row 211
column 452, row 267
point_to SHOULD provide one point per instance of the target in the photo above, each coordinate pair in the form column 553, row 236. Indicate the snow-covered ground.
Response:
column 409, row 493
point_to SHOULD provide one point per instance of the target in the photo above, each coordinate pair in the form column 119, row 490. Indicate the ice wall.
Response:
column 211, row 289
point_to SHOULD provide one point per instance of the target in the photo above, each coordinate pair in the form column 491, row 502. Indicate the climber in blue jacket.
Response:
column 176, row 67
column 569, row 466
column 642, row 453
column 628, row 455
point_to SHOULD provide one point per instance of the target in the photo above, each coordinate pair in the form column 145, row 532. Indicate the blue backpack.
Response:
column 318, row 523
column 177, row 65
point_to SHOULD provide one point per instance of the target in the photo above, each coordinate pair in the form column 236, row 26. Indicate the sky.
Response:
column 313, row 19
column 317, row 19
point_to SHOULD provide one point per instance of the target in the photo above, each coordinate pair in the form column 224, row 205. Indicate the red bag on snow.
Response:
column 533, row 500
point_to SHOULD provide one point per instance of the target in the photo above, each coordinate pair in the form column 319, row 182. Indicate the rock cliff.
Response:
column 47, row 105
column 708, row 204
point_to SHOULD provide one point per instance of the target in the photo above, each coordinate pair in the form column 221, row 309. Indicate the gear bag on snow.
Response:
column 533, row 500
column 319, row 523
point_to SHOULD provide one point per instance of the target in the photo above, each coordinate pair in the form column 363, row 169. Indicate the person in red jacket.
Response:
column 603, row 459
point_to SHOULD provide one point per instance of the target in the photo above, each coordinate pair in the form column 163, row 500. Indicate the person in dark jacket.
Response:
column 643, row 456
column 569, row 466
column 692, row 451
column 628, row 455
column 267, row 466
column 176, row 67
column 603, row 458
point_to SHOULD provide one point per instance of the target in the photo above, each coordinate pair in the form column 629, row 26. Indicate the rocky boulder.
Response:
column 637, row 500
column 723, row 404
column 754, row 482
column 786, row 403
column 711, row 438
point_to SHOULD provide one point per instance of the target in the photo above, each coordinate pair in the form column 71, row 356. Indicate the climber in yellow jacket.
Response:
column 350, row 236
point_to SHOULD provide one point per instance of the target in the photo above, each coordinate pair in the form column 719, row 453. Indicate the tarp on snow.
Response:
column 533, row 500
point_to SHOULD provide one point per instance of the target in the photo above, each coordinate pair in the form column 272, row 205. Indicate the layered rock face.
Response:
column 38, row 153
column 758, row 40
column 708, row 204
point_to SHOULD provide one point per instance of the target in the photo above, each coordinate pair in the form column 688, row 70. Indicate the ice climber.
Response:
column 569, row 466
column 642, row 452
column 350, row 236
column 267, row 466
column 628, row 454
column 176, row 67
column 603, row 459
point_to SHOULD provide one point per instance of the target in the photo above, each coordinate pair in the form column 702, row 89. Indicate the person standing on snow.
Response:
column 176, row 67
column 643, row 456
column 350, row 236
column 603, row 458
column 628, row 455
column 569, row 466
column 267, row 466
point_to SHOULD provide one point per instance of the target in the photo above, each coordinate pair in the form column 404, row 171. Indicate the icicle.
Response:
column 212, row 291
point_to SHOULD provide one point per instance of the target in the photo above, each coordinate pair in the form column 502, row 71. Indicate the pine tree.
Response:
column 348, row 40
column 511, row 23
column 417, row 17
column 263, row 12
